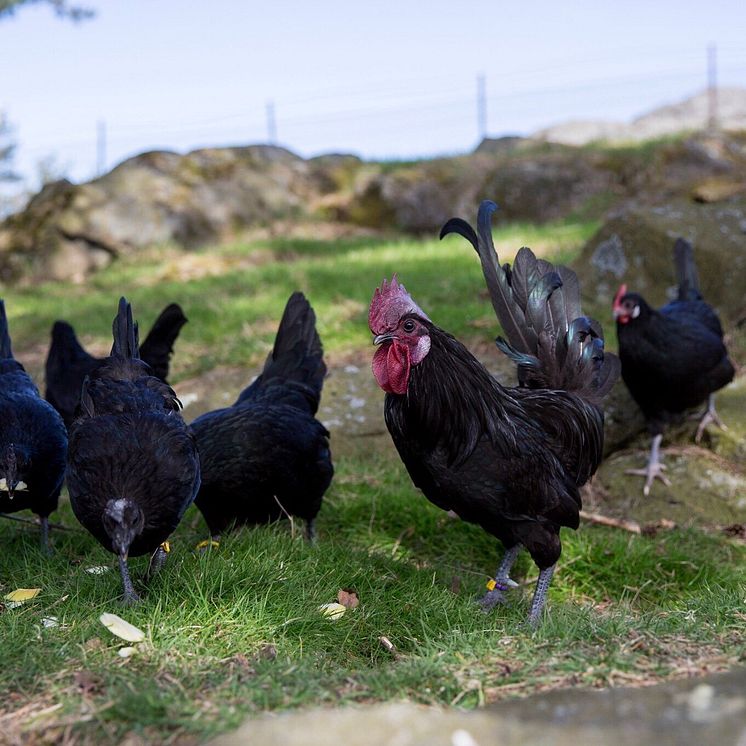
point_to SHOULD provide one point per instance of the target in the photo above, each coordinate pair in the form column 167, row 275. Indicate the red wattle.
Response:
column 391, row 365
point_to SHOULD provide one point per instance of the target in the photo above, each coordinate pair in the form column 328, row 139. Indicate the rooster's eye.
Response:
column 408, row 325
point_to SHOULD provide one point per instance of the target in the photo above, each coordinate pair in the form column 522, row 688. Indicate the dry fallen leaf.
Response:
column 126, row 652
column 333, row 611
column 266, row 652
column 87, row 682
column 21, row 595
column 117, row 626
column 348, row 598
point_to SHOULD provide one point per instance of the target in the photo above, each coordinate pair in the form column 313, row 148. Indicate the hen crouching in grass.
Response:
column 133, row 467
column 33, row 441
column 267, row 457
column 508, row 459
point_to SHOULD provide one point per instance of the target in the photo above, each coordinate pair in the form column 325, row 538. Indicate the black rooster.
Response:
column 266, row 457
column 33, row 441
column 672, row 358
column 133, row 467
column 509, row 459
column 68, row 363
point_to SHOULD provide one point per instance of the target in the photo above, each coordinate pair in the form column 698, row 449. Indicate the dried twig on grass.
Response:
column 602, row 520
column 389, row 646
column 650, row 529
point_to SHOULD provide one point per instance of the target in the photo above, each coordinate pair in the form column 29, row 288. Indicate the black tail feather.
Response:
column 124, row 330
column 295, row 368
column 65, row 345
column 158, row 346
column 538, row 307
column 511, row 315
column 6, row 351
column 686, row 271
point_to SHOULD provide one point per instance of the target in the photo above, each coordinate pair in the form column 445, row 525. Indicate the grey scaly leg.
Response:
column 44, row 523
column 502, row 580
column 311, row 530
column 130, row 597
column 709, row 416
column 540, row 595
column 654, row 470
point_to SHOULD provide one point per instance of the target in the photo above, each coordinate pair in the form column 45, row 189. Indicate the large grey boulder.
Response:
column 635, row 246
column 529, row 184
column 159, row 197
column 213, row 195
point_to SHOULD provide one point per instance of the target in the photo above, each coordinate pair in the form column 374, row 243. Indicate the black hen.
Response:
column 509, row 459
column 267, row 457
column 33, row 441
column 68, row 363
column 133, row 467
column 672, row 358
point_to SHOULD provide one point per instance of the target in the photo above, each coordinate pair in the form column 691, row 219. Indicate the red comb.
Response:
column 390, row 302
column 619, row 295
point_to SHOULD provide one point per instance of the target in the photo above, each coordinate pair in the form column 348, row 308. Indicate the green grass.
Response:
column 623, row 608
column 234, row 295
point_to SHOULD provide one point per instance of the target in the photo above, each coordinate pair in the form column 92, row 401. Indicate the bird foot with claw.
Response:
column 491, row 599
column 710, row 417
column 496, row 594
column 651, row 473
column 131, row 599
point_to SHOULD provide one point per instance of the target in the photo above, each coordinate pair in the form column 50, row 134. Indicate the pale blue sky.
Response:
column 381, row 79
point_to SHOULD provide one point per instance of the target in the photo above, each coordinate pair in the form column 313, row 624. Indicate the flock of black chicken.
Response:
column 509, row 459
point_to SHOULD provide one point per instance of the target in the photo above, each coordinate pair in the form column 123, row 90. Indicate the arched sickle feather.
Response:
column 509, row 315
column 457, row 225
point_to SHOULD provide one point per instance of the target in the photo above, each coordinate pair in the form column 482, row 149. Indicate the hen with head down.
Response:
column 133, row 467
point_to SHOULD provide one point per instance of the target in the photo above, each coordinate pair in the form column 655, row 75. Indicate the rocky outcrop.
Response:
column 158, row 197
column 214, row 195
column 635, row 246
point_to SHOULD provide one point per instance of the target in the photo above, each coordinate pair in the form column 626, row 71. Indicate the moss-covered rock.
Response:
column 205, row 196
column 635, row 246
column 708, row 481
column 214, row 194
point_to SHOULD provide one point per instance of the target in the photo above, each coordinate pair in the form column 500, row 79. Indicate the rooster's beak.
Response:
column 383, row 338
